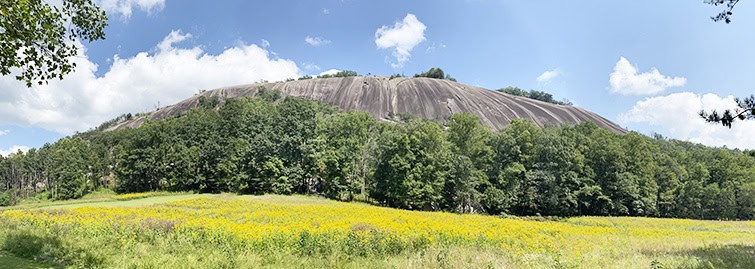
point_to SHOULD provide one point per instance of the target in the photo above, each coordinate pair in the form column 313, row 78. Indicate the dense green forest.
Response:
column 291, row 145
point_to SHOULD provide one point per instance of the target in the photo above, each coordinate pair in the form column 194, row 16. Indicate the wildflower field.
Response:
column 139, row 195
column 227, row 231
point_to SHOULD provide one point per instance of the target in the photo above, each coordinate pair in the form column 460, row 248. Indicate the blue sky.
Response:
column 647, row 65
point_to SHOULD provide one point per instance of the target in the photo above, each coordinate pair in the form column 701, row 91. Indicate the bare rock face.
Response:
column 424, row 97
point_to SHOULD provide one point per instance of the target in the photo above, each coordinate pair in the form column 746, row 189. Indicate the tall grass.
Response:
column 301, row 232
column 133, row 196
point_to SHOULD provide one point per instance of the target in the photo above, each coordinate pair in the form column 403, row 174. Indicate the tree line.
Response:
column 534, row 94
column 290, row 145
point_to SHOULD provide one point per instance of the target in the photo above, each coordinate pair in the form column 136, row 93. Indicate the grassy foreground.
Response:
column 227, row 231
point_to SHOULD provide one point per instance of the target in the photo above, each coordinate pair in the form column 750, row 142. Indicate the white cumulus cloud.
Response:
column 125, row 7
column 330, row 72
column 13, row 149
column 4, row 132
column 403, row 36
column 172, row 38
column 310, row 66
column 678, row 114
column 265, row 44
column 627, row 80
column 316, row 41
column 83, row 100
column 549, row 75
column 432, row 48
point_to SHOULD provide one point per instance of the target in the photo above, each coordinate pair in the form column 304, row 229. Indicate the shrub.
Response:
column 269, row 95
column 397, row 75
column 139, row 195
column 8, row 198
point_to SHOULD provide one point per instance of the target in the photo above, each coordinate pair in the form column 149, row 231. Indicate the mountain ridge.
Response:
column 385, row 97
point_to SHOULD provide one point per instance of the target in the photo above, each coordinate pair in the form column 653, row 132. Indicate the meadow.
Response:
column 158, row 230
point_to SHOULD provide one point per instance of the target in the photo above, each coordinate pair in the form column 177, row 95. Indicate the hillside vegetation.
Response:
column 534, row 94
column 226, row 231
column 267, row 145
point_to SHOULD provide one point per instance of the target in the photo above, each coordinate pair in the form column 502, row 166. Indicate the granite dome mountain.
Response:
column 384, row 97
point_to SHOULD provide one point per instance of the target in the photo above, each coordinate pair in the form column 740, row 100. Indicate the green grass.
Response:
column 102, row 198
column 125, row 203
column 43, row 198
column 710, row 257
column 99, row 194
column 42, row 201
column 8, row 260
column 133, row 196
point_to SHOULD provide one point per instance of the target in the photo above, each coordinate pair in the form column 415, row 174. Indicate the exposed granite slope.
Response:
column 424, row 97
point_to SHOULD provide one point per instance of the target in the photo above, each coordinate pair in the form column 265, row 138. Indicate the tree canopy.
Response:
column 40, row 39
column 267, row 145
column 435, row 73
column 745, row 110
column 726, row 14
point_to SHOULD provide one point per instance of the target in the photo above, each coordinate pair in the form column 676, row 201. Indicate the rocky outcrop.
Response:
column 424, row 97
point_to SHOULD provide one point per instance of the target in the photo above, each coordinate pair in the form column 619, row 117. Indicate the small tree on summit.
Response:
column 435, row 73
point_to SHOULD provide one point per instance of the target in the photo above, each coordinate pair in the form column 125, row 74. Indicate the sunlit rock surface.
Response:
column 424, row 97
